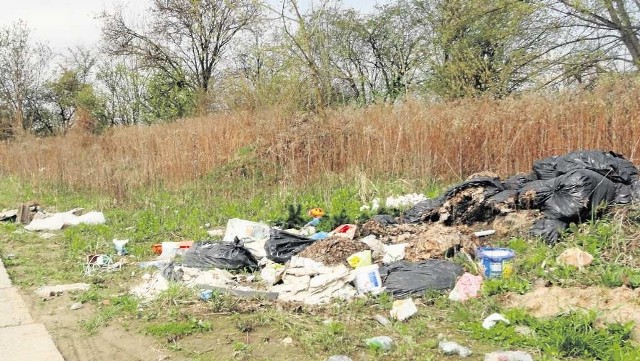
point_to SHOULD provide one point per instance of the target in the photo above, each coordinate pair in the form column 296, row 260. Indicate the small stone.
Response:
column 453, row 348
column 382, row 320
column 106, row 302
column 287, row 341
column 76, row 306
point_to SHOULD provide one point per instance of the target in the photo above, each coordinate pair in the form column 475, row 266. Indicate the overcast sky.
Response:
column 67, row 23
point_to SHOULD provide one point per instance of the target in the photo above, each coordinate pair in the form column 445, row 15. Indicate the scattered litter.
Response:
column 575, row 257
column 151, row 288
column 253, row 235
column 382, row 320
column 76, row 306
column 508, row 356
column 282, row 245
column 101, row 262
column 367, row 279
column 403, row 309
column 219, row 255
column 312, row 283
column 393, row 252
column 8, row 215
column 453, row 348
column 437, row 241
column 493, row 319
column 383, row 343
column 119, row 245
column 333, row 250
column 549, row 229
column 376, row 246
column 496, row 262
column 206, row 295
column 485, row 233
column 42, row 222
column 52, row 291
column 345, row 230
column 360, row 259
column 272, row 273
column 287, row 341
column 339, row 358
column 468, row 286
column 403, row 278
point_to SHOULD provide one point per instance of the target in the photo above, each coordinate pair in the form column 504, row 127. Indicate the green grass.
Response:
column 151, row 216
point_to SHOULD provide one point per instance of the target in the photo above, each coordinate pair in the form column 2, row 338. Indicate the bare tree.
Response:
column 23, row 67
column 609, row 26
column 185, row 39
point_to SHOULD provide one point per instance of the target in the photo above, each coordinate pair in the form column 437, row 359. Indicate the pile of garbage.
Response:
column 572, row 188
column 404, row 255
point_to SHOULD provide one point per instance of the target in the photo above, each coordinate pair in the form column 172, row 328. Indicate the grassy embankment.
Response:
column 165, row 182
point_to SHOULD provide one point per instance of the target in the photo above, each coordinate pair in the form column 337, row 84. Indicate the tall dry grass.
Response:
column 445, row 141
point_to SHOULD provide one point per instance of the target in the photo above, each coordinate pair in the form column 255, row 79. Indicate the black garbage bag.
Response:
column 504, row 202
column 403, row 279
column 231, row 256
column 549, row 229
column 491, row 187
column 608, row 164
column 282, row 245
column 575, row 196
column 518, row 181
column 466, row 202
column 423, row 211
column 171, row 274
column 624, row 194
column 384, row 219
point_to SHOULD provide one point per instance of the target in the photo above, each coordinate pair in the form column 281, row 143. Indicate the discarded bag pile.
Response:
column 575, row 187
column 403, row 255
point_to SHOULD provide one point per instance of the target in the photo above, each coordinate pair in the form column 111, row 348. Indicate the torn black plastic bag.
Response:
column 575, row 196
column 282, row 245
column 423, row 211
column 466, row 202
column 518, row 181
column 403, row 279
column 230, row 256
column 504, row 202
column 384, row 219
column 609, row 164
column 549, row 229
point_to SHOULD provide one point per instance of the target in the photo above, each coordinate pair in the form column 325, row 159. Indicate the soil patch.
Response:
column 333, row 250
column 613, row 304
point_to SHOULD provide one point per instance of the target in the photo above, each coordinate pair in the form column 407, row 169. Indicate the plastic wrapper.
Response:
column 403, row 279
column 282, row 245
column 231, row 256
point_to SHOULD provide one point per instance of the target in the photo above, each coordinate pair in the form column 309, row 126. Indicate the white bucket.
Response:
column 367, row 278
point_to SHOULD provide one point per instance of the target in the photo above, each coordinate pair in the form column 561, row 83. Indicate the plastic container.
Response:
column 360, row 259
column 245, row 230
column 367, row 278
column 496, row 262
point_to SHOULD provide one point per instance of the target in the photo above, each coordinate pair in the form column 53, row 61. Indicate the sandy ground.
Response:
column 613, row 304
column 111, row 343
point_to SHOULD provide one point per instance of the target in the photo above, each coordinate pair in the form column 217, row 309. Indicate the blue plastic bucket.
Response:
column 496, row 262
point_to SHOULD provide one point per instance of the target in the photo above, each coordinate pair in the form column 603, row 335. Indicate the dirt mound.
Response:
column 613, row 304
column 333, row 250
column 437, row 241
